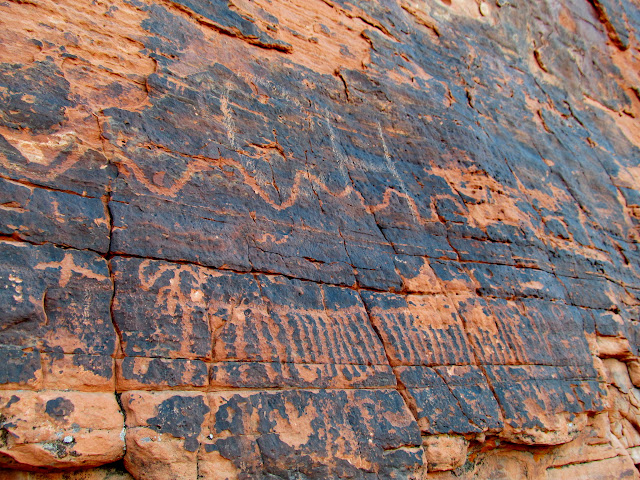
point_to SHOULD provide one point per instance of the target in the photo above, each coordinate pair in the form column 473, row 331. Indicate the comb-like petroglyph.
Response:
column 319, row 239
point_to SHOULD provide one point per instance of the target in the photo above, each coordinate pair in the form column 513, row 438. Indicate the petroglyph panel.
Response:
column 319, row 239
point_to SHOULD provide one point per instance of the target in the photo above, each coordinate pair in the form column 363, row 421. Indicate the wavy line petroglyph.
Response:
column 44, row 151
column 201, row 164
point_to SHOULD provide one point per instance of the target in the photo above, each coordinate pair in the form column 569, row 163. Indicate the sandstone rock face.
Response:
column 319, row 239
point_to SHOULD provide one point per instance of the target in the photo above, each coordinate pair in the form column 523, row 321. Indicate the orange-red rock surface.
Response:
column 319, row 239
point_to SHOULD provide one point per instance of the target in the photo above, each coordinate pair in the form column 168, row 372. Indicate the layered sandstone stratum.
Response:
column 319, row 239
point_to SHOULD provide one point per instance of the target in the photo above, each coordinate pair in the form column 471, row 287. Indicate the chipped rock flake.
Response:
column 319, row 239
